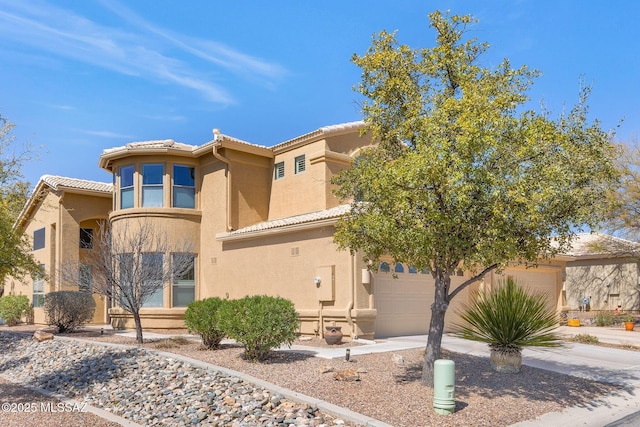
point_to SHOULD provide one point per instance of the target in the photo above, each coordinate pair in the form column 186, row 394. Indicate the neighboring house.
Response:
column 61, row 217
column 262, row 221
column 604, row 270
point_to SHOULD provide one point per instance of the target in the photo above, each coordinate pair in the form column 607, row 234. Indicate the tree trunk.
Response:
column 136, row 318
column 436, row 326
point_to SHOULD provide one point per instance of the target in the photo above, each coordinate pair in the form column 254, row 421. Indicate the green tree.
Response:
column 464, row 175
column 624, row 202
column 15, row 257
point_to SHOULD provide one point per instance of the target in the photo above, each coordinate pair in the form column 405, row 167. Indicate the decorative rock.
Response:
column 347, row 375
column 325, row 369
column 398, row 359
column 149, row 389
column 40, row 336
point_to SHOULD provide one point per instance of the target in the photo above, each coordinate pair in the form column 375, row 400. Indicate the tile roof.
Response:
column 599, row 244
column 57, row 182
column 322, row 132
column 146, row 145
column 332, row 213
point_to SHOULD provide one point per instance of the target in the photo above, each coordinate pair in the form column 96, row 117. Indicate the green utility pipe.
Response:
column 444, row 381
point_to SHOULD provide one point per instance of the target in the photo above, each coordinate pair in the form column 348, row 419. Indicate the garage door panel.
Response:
column 403, row 304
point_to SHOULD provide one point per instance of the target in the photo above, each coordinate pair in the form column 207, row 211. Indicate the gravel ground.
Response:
column 390, row 391
column 43, row 410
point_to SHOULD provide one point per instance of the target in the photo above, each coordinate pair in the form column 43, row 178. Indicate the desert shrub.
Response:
column 260, row 323
column 605, row 318
column 67, row 310
column 202, row 318
column 13, row 307
column 585, row 339
column 509, row 318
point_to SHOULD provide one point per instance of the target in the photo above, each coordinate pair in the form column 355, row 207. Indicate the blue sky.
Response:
column 82, row 76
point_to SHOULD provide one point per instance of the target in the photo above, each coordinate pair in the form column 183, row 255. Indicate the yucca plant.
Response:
column 508, row 318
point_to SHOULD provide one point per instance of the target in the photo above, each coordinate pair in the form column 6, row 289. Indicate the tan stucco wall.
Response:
column 61, row 215
column 285, row 265
column 298, row 193
column 607, row 282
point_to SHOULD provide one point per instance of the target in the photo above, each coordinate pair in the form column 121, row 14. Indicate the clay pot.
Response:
column 333, row 334
column 506, row 362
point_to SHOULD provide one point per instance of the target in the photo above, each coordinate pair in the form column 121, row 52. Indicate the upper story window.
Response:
column 38, row 239
column 300, row 164
column 126, row 187
column 278, row 171
column 184, row 187
column 152, row 190
column 86, row 238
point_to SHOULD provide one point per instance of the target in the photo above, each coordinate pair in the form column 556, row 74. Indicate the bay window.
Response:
column 184, row 187
column 126, row 187
column 152, row 188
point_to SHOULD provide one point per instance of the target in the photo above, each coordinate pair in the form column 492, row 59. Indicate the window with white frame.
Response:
column 151, row 266
column 126, row 186
column 152, row 185
column 184, row 286
column 300, row 164
column 38, row 288
column 184, row 187
column 278, row 171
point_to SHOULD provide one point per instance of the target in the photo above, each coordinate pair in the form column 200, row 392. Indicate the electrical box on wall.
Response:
column 324, row 282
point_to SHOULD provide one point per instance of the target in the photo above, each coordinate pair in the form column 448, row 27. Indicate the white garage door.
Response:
column 403, row 304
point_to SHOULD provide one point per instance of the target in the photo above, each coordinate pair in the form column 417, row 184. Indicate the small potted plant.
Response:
column 629, row 322
column 573, row 320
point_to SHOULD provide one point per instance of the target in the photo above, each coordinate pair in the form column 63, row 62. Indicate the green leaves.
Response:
column 509, row 318
column 463, row 173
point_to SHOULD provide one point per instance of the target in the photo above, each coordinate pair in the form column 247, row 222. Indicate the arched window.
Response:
column 399, row 268
column 385, row 267
column 413, row 270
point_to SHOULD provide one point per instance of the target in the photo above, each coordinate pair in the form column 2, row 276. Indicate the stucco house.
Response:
column 261, row 220
column 602, row 273
column 61, row 216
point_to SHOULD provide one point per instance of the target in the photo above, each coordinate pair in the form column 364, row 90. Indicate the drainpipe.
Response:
column 216, row 134
column 350, row 303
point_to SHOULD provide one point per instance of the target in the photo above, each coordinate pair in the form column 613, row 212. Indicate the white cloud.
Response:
column 106, row 134
column 138, row 51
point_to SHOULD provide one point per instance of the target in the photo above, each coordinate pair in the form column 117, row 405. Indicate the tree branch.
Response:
column 471, row 280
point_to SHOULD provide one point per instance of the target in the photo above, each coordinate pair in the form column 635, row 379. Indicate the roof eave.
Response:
column 231, row 237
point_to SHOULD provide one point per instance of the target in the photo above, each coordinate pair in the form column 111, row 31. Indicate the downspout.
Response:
column 216, row 134
column 351, row 302
column 58, row 248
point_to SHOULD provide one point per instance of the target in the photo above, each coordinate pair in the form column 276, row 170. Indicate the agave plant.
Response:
column 508, row 318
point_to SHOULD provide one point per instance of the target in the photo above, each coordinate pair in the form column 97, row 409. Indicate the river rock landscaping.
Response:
column 147, row 388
